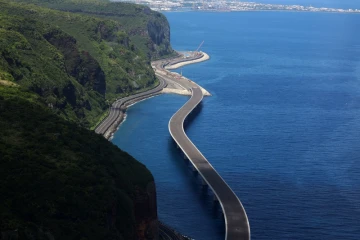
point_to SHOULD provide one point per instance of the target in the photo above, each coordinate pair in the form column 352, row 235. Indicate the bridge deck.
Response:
column 236, row 221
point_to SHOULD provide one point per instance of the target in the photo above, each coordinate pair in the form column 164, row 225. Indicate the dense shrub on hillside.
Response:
column 76, row 62
column 28, row 59
column 59, row 181
column 148, row 30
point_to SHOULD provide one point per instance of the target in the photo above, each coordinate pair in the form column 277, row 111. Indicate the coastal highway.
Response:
column 236, row 221
column 166, row 233
column 116, row 114
column 109, row 124
column 160, row 71
column 187, row 60
column 116, row 110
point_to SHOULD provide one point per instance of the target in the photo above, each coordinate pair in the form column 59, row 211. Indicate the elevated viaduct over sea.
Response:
column 236, row 221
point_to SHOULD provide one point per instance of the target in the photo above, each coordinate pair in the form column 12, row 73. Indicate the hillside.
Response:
column 60, row 68
column 77, row 63
column 147, row 29
column 59, row 181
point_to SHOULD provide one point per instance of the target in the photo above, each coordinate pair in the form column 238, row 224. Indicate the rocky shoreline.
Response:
column 170, row 82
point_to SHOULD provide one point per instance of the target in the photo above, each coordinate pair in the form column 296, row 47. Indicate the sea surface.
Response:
column 282, row 127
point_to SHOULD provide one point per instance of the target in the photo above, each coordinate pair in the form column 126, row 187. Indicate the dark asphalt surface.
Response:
column 167, row 233
column 236, row 221
column 112, row 120
column 182, row 59
column 115, row 110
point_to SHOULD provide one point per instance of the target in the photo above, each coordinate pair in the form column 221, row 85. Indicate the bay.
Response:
column 281, row 127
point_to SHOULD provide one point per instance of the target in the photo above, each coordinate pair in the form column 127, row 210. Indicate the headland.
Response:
column 236, row 221
column 169, row 82
column 183, row 62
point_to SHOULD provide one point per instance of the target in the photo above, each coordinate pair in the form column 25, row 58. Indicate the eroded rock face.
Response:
column 145, row 211
column 80, row 65
column 156, row 32
column 159, row 32
column 90, row 74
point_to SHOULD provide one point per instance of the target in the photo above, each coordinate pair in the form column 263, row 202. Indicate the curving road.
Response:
column 236, row 221
column 165, row 233
column 116, row 110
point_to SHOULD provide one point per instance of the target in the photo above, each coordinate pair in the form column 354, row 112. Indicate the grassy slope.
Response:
column 149, row 30
column 28, row 59
column 59, row 180
column 33, row 54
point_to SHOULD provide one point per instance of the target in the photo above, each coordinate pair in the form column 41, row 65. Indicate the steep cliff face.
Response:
column 80, row 65
column 159, row 33
column 32, row 57
column 75, row 62
column 147, row 226
column 59, row 181
column 148, row 30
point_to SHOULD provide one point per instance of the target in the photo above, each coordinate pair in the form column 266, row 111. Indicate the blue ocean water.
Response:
column 282, row 126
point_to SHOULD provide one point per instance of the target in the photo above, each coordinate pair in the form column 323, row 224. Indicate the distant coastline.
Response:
column 258, row 10
column 234, row 6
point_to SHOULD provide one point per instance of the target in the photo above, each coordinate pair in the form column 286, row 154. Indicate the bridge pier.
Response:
column 193, row 169
column 237, row 227
column 203, row 183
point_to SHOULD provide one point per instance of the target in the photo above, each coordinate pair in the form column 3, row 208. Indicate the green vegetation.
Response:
column 78, row 61
column 62, row 62
column 28, row 59
column 59, row 181
column 147, row 29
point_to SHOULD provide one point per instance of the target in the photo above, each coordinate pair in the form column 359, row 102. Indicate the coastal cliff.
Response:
column 148, row 30
column 83, row 58
column 59, row 181
column 59, row 71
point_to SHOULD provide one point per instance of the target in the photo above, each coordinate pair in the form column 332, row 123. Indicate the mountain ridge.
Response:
column 78, row 63
column 59, row 72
